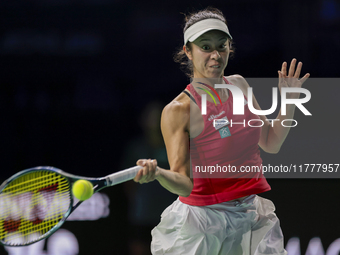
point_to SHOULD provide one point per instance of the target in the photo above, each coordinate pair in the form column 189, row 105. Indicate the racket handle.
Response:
column 123, row 176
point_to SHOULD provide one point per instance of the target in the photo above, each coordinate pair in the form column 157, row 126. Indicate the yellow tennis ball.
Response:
column 82, row 189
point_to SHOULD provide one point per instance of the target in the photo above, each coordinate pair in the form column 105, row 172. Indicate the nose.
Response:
column 215, row 55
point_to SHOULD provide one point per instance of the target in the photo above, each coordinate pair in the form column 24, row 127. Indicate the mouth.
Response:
column 215, row 66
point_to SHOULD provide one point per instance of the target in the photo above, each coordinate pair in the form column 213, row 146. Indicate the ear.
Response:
column 187, row 52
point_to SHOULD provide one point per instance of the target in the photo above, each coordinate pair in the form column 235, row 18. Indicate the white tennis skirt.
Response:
column 244, row 227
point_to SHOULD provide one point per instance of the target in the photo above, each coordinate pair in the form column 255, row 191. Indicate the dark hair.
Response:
column 208, row 13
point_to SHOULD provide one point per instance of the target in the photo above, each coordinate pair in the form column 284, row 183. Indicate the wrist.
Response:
column 157, row 173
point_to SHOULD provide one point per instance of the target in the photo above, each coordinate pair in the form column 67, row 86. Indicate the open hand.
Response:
column 292, row 80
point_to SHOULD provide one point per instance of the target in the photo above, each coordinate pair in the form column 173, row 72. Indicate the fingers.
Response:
column 298, row 70
column 148, row 172
column 280, row 76
column 292, row 68
column 138, row 175
column 304, row 78
column 284, row 68
column 140, row 162
column 292, row 73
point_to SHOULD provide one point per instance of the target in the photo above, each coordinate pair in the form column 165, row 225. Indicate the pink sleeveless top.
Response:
column 219, row 155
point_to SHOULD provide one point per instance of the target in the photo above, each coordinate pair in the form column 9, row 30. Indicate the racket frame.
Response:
column 98, row 184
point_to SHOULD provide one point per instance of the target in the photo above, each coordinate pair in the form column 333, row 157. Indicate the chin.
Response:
column 217, row 75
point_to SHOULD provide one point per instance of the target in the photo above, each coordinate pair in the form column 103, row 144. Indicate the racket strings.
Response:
column 32, row 205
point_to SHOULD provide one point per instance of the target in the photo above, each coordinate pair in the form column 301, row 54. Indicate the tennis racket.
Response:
column 35, row 202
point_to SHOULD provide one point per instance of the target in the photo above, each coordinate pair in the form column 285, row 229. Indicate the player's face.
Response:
column 210, row 54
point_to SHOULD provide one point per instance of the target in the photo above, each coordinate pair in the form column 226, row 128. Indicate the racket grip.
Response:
column 123, row 176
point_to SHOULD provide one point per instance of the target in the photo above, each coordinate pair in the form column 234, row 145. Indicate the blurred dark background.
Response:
column 76, row 76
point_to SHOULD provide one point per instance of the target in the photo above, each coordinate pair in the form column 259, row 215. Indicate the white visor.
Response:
column 203, row 26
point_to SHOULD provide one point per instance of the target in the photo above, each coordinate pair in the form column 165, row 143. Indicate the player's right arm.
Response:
column 175, row 130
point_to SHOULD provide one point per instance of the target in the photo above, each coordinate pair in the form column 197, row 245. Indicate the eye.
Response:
column 205, row 47
column 223, row 46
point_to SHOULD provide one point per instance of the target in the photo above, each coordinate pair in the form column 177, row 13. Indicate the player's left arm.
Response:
column 274, row 134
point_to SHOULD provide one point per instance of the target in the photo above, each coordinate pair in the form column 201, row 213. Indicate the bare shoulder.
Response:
column 177, row 112
column 179, row 105
column 239, row 81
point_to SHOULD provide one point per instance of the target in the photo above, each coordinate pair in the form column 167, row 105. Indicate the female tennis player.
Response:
column 214, row 215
